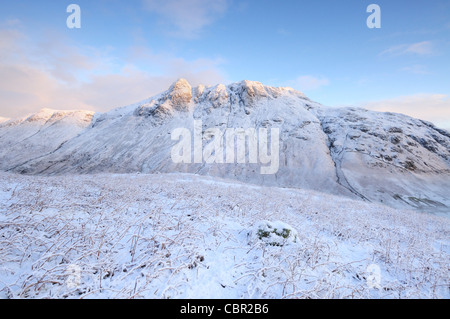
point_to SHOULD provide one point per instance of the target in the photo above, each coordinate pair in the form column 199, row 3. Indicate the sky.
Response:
column 127, row 51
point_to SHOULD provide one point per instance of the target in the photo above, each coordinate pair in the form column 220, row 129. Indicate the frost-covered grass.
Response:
column 185, row 236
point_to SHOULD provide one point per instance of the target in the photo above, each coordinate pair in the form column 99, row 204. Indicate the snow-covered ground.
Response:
column 188, row 236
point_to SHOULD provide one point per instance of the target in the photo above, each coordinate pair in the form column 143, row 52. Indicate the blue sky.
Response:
column 126, row 51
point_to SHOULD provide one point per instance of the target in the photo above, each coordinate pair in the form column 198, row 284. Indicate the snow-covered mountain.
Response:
column 39, row 134
column 381, row 157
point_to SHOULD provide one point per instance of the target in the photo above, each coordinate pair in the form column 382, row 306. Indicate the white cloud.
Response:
column 187, row 17
column 434, row 108
column 307, row 83
column 62, row 75
column 419, row 48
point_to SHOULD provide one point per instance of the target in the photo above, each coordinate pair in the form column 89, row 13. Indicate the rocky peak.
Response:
column 180, row 95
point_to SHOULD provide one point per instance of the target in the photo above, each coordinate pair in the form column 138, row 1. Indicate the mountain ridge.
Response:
column 382, row 157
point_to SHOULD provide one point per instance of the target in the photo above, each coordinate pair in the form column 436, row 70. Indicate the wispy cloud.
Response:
column 419, row 48
column 186, row 18
column 416, row 69
column 431, row 107
column 35, row 74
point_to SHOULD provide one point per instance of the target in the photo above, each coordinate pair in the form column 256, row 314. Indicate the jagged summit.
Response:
column 181, row 97
column 254, row 88
column 181, row 91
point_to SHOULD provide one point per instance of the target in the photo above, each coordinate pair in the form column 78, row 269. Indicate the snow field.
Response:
column 187, row 236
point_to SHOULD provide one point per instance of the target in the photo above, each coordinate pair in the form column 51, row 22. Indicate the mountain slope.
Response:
column 39, row 134
column 389, row 157
column 383, row 157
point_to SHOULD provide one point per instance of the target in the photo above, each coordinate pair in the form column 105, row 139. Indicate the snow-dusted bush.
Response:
column 275, row 233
